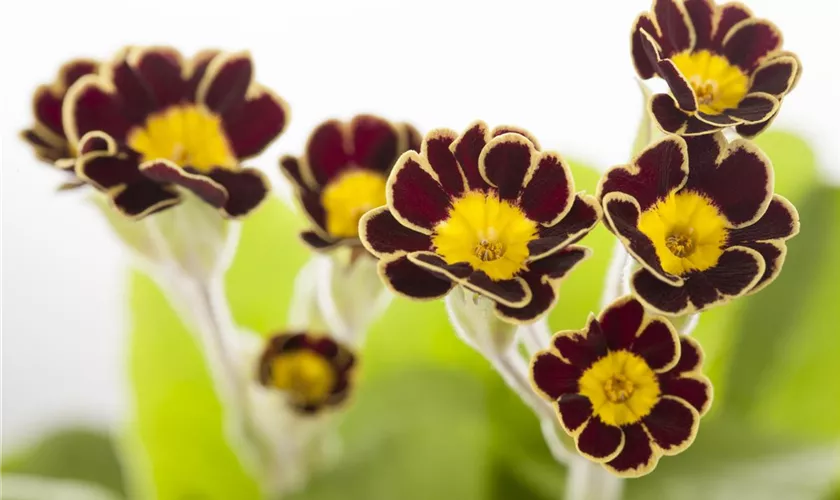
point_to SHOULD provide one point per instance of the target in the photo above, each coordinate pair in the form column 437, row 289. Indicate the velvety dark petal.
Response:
column 161, row 71
column 620, row 322
column 751, row 130
column 773, row 253
column 382, row 234
column 644, row 67
column 513, row 292
column 511, row 129
column 659, row 170
column 740, row 186
column 718, row 121
column 729, row 15
column 246, row 188
column 318, row 242
column 581, row 348
column 311, row 203
column 678, row 84
column 750, row 42
column 504, row 163
column 107, row 171
column 578, row 221
column 672, row 425
column 414, row 195
column 675, row 26
column 72, row 71
column 143, row 198
column 658, row 345
column 637, row 457
column 552, row 376
column 197, row 69
column 549, row 191
column 225, row 82
column 755, row 108
column 691, row 357
column 135, row 98
column 89, row 106
column 96, row 142
column 662, row 296
column 290, row 166
column 695, row 125
column 668, row 116
column 776, row 76
column 46, row 106
column 252, row 125
column 701, row 13
column 693, row 389
column 412, row 139
column 375, row 143
column 436, row 148
column 573, row 410
column 45, row 149
column 411, row 280
column 433, row 263
column 779, row 221
column 207, row 189
column 467, row 149
column 600, row 442
column 326, row 153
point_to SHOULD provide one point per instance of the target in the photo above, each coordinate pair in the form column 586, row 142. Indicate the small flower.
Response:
column 724, row 66
column 150, row 122
column 46, row 135
column 487, row 211
column 627, row 388
column 342, row 175
column 313, row 371
column 700, row 216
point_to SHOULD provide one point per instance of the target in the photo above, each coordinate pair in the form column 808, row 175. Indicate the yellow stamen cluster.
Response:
column 717, row 84
column 348, row 197
column 305, row 375
column 621, row 387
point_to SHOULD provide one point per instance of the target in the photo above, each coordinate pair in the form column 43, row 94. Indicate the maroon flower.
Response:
column 314, row 371
column 485, row 210
column 700, row 216
column 342, row 175
column 724, row 66
column 46, row 135
column 150, row 122
column 627, row 388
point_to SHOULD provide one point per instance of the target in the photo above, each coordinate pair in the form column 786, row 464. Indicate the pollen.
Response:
column 681, row 244
column 621, row 386
column 618, row 388
column 305, row 375
column 488, row 250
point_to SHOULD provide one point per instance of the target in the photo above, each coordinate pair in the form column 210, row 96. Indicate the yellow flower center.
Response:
column 488, row 233
column 687, row 231
column 717, row 84
column 621, row 387
column 305, row 375
column 188, row 135
column 348, row 197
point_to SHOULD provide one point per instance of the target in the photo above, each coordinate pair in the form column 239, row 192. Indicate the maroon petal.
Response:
column 411, row 138
column 164, row 171
column 658, row 345
column 512, row 293
column 415, row 197
column 549, row 190
column 46, row 106
column 375, row 143
column 251, row 126
column 701, row 13
column 776, row 76
column 751, row 41
column 600, row 442
column 290, row 166
column 751, row 130
column 754, row 108
column 134, row 96
column 70, row 72
column 97, row 142
column 696, row 390
column 553, row 377
column 410, row 280
column 90, row 106
column 644, row 67
column 226, row 82
column 510, row 129
column 318, row 242
column 773, row 253
column 691, row 357
column 106, row 171
column 620, row 322
column 729, row 15
column 673, row 120
column 437, row 149
column 579, row 220
column 505, row 161
column 674, row 25
column 680, row 88
column 467, row 149
column 143, row 198
column 573, row 410
column 433, row 263
column 326, row 153
column 779, row 222
column 246, row 188
column 659, row 170
column 196, row 70
column 311, row 203
column 383, row 235
column 662, row 296
column 672, row 425
column 161, row 71
column 740, row 185
column 719, row 121
column 581, row 348
column 637, row 457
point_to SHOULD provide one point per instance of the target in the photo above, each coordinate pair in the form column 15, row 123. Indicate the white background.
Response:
column 559, row 68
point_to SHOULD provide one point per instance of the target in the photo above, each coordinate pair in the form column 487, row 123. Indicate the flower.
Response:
column 46, row 135
column 342, row 174
column 700, row 216
column 149, row 122
column 313, row 370
column 724, row 66
column 484, row 210
column 626, row 388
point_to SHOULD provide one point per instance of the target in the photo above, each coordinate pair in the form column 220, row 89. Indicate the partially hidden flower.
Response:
column 485, row 210
column 700, row 216
column 627, row 388
column 342, row 175
column 313, row 371
column 151, row 122
column 46, row 135
column 724, row 66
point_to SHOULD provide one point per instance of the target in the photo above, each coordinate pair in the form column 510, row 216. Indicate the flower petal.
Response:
column 143, row 198
column 754, row 108
column 197, row 68
column 375, row 143
column 600, row 442
column 165, row 171
column 581, row 347
column 691, row 356
column 246, row 188
column 135, row 98
column 674, row 25
column 552, row 377
column 318, row 242
column 511, row 129
column 514, row 292
column 701, row 14
column 414, row 194
column 751, row 130
column 226, row 81
column 434, row 263
column 549, row 190
column 661, row 296
column 90, row 106
column 437, row 149
column 773, row 253
column 291, row 168
column 672, row 425
column 383, row 235
column 106, row 171
column 620, row 322
column 658, row 345
column 751, row 41
column 578, row 221
column 671, row 119
column 410, row 280
column 644, row 66
column 680, row 88
column 729, row 15
column 505, row 161
column 326, row 153
column 637, row 457
column 255, row 122
column 695, row 389
column 467, row 148
column 161, row 71
column 573, row 410
column 314, row 210
column 776, row 76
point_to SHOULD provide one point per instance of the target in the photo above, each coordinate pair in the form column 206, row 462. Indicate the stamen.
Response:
column 487, row 250
column 680, row 244
column 618, row 388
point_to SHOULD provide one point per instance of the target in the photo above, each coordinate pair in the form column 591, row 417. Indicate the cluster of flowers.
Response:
column 487, row 210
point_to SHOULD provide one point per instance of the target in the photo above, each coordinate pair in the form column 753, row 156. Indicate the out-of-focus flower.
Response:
column 46, row 135
column 484, row 210
column 313, row 371
column 724, row 66
column 150, row 122
column 627, row 388
column 700, row 216
column 342, row 175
